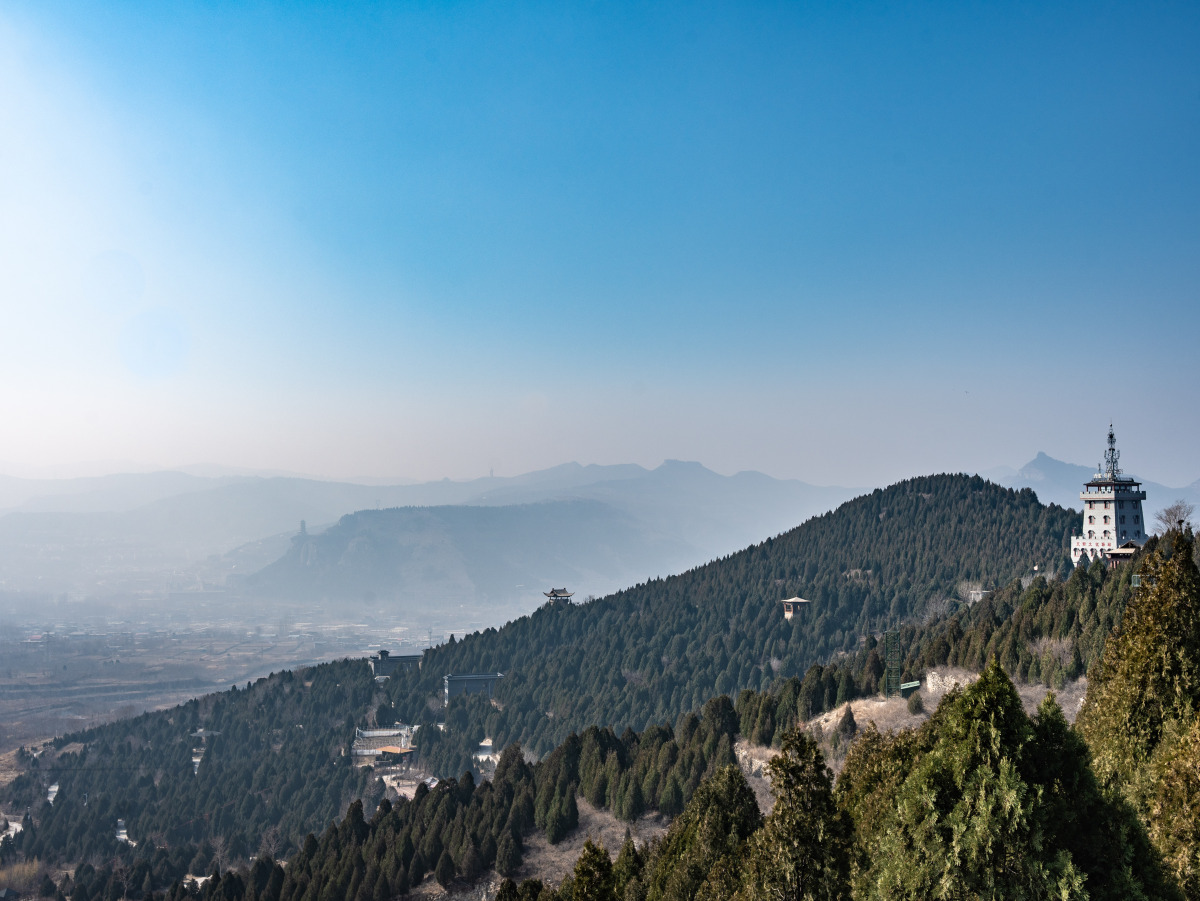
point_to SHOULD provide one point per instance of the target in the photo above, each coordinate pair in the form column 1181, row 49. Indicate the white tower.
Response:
column 1112, row 510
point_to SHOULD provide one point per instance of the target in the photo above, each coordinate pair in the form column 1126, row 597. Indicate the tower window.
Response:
column 1122, row 519
column 1137, row 518
column 1091, row 519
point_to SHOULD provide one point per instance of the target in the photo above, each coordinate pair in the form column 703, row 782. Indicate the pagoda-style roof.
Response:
column 1099, row 480
column 1127, row 550
column 558, row 593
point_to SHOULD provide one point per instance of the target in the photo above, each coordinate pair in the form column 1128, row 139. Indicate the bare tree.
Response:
column 272, row 841
column 220, row 848
column 1170, row 517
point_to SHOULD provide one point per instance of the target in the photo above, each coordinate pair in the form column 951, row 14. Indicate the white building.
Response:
column 1112, row 510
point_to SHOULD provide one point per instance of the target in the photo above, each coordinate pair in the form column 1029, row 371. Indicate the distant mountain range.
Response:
column 595, row 528
column 144, row 535
column 1059, row 483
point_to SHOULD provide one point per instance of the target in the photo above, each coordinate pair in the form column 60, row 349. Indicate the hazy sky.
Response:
column 840, row 242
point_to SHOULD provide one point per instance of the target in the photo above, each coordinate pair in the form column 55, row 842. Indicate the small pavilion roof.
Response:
column 1128, row 549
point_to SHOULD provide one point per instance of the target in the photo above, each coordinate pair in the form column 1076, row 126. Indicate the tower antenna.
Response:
column 1111, row 456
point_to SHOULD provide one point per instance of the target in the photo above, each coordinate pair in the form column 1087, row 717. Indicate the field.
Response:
column 54, row 683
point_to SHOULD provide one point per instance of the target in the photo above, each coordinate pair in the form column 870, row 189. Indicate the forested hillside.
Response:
column 653, row 651
column 1061, row 831
column 455, row 831
column 646, row 655
column 273, row 765
column 981, row 801
column 1040, row 631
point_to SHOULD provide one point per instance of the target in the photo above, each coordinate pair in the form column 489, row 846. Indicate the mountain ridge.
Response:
column 188, row 530
column 1059, row 482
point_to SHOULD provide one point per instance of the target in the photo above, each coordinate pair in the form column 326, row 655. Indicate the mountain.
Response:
column 652, row 653
column 1059, row 483
column 717, row 514
column 662, row 647
column 492, row 560
column 111, row 493
column 148, row 534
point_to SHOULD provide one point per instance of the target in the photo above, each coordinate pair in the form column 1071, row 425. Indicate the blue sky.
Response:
column 840, row 242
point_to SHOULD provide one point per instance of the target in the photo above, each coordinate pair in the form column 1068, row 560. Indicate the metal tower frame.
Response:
column 891, row 662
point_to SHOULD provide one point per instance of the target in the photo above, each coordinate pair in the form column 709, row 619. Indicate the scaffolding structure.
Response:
column 891, row 663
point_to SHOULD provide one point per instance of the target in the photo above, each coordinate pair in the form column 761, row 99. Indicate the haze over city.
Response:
column 559, row 451
column 839, row 243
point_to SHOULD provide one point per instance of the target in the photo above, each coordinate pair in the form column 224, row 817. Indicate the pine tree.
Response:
column 444, row 871
column 803, row 849
column 967, row 822
column 628, row 866
column 593, row 875
column 508, row 857
column 718, row 819
column 982, row 801
column 1150, row 671
column 1174, row 806
column 1141, row 715
column 847, row 727
column 670, row 797
column 532, row 890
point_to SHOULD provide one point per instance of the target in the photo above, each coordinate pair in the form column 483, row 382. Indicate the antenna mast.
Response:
column 1111, row 456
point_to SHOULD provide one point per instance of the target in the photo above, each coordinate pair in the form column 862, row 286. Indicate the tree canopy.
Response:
column 984, row 801
column 1142, row 711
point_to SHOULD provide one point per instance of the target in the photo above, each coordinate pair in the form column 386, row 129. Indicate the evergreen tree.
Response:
column 847, row 728
column 1141, row 715
column 444, row 871
column 1149, row 674
column 803, row 850
column 981, row 801
column 721, row 815
column 628, row 866
column 508, row 857
column 1174, row 806
column 966, row 823
column 593, row 875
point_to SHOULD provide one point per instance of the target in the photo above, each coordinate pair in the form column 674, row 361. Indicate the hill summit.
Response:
column 660, row 648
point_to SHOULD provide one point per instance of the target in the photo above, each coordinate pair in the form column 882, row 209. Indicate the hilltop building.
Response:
column 558, row 597
column 1112, row 512
column 792, row 606
column 384, row 664
column 469, row 683
column 395, row 741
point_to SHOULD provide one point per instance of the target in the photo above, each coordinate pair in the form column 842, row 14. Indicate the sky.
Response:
column 846, row 243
